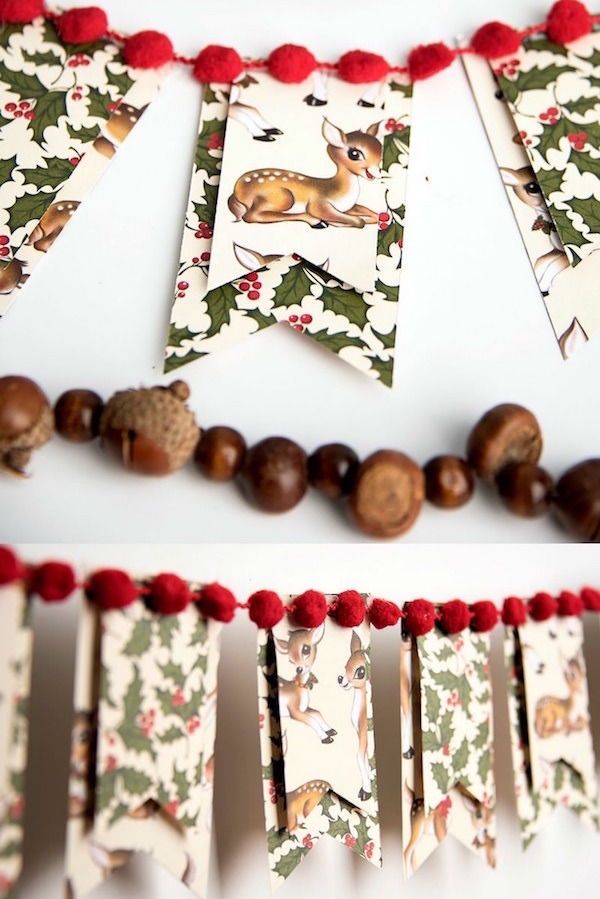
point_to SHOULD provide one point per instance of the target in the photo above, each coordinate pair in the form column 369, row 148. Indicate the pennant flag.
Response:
column 64, row 111
column 317, row 741
column 295, row 215
column 16, row 644
column 447, row 739
column 552, row 750
column 143, row 744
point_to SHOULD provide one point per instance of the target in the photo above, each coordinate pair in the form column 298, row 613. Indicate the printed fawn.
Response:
column 554, row 715
column 482, row 818
column 423, row 823
column 278, row 195
column 355, row 678
column 301, row 647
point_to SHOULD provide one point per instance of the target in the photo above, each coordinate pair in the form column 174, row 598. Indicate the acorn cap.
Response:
column 26, row 422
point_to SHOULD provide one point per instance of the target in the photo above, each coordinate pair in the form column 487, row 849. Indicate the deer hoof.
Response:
column 362, row 795
column 366, row 104
column 327, row 740
column 320, row 225
column 331, row 732
column 311, row 100
column 264, row 137
column 273, row 131
column 409, row 754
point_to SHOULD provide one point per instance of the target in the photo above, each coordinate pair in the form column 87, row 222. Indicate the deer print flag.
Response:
column 296, row 215
column 64, row 111
column 317, row 745
column 447, row 745
column 553, row 756
column 143, row 740
column 16, row 642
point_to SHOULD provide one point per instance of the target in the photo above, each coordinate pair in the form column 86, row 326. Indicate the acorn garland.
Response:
column 152, row 431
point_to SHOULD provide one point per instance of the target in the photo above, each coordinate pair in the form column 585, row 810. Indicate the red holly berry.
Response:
column 257, row 285
column 252, row 276
column 172, row 807
column 183, row 285
column 75, row 160
column 253, row 295
column 193, row 724
column 384, row 216
column 306, row 318
column 111, row 763
column 349, row 840
column 244, row 286
column 205, row 256
column 383, row 226
column 3, row 240
column 4, row 251
column 76, row 95
column 195, row 260
column 24, row 104
column 10, row 107
column 178, row 698
column 30, row 115
column 198, row 234
column 307, row 841
column 18, row 113
column 298, row 328
column 293, row 318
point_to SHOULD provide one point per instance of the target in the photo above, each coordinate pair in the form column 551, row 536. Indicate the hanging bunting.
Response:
column 317, row 741
column 295, row 215
column 143, row 744
column 447, row 741
column 16, row 644
column 64, row 111
column 540, row 106
column 552, row 751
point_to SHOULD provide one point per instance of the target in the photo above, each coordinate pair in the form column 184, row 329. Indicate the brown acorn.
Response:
column 26, row 422
column 151, row 430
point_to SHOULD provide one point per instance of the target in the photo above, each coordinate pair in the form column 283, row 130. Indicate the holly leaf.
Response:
column 583, row 162
column 385, row 370
column 295, row 285
column 173, row 672
column 263, row 321
column 121, row 80
column 336, row 342
column 395, row 147
column 430, row 741
column 57, row 172
column 48, row 111
column 7, row 166
column 446, row 727
column 105, row 789
column 167, row 626
column 464, row 692
column 28, row 87
column 221, row 302
column 135, row 781
column 178, row 335
column 541, row 43
column 461, row 757
column 345, row 302
column 206, row 210
column 551, row 135
column 589, row 210
column 550, row 181
column 182, row 787
column 432, row 704
column 338, row 828
column 583, row 105
column 97, row 104
column 405, row 89
column 538, row 79
column 484, row 765
column 205, row 158
column 441, row 776
column 288, row 862
column 567, row 231
column 40, row 58
column 388, row 340
column 482, row 737
column 139, row 641
column 83, row 134
column 171, row 735
column 29, row 207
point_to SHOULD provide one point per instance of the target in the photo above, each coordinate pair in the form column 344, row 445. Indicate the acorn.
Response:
column 151, row 430
column 26, row 422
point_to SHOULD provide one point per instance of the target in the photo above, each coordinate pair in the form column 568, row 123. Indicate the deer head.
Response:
column 358, row 151
column 525, row 185
column 301, row 647
column 574, row 675
column 355, row 674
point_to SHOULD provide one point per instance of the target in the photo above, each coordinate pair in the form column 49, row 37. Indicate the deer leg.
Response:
column 363, row 767
column 364, row 213
column 329, row 730
column 326, row 212
column 417, row 825
column 265, row 216
column 548, row 266
column 308, row 718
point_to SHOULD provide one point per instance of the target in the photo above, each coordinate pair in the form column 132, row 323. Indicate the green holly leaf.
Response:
column 173, row 362
column 263, row 321
column 336, row 342
column 446, row 727
column 430, row 741
column 446, row 652
column 484, row 765
column 7, row 30
column 221, row 302
column 461, row 757
column 326, row 804
column 583, row 162
column 295, row 285
column 432, row 704
column 178, row 335
column 54, row 174
column 28, row 87
column 182, row 787
column 542, row 43
column 589, row 210
column 538, row 79
column 576, row 780
column 559, row 776
column 385, row 370
column 120, row 811
column 48, row 111
column 40, row 58
column 445, row 679
column 135, row 781
column 207, row 208
column 387, row 237
column 395, row 148
column 98, row 103
column 582, row 105
column 121, row 80
column 464, row 692
column 209, row 94
column 174, row 673
column 551, row 136
column 206, row 158
column 140, row 639
column 276, row 838
column 567, row 231
column 483, row 735
column 83, row 134
column 28, row 208
column 441, row 775
column 167, row 626
column 338, row 828
column 7, row 167
column 550, row 181
column 14, row 847
column 288, row 862
column 345, row 302
column 105, row 789
column 388, row 340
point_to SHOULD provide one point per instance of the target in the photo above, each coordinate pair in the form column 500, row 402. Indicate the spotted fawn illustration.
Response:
column 557, row 715
column 301, row 647
column 303, row 800
column 422, row 823
column 355, row 678
column 481, row 818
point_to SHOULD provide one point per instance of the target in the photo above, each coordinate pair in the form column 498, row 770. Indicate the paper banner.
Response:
column 16, row 644
column 64, row 111
column 553, row 756
column 540, row 205
column 317, row 742
column 143, row 744
column 447, row 741
column 242, row 270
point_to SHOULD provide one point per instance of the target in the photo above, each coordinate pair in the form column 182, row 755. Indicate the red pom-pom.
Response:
column 485, row 616
column 11, row 568
column 455, row 616
column 147, row 50
column 428, row 60
column 217, row 602
column 542, row 606
column 169, row 594
column 111, row 588
column 383, row 613
column 218, row 64
column 291, row 64
column 265, row 608
column 360, row 67
column 53, row 581
column 310, row 608
column 514, row 612
column 570, row 604
column 591, row 599
column 20, row 11
column 567, row 21
column 419, row 617
column 495, row 39
column 349, row 608
column 81, row 26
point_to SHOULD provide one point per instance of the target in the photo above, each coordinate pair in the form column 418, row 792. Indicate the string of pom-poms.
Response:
column 567, row 21
column 169, row 594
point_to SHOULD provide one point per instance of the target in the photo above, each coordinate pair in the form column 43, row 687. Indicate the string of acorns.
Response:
column 168, row 594
column 152, row 431
column 567, row 21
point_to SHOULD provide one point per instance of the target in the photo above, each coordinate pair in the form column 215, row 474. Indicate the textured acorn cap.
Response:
column 26, row 422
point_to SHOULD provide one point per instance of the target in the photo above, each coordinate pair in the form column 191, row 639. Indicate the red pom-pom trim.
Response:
column 111, row 588
column 591, row 599
column 218, row 64
column 429, row 59
column 265, row 608
column 169, row 594
column 81, row 26
column 53, row 581
column 148, row 50
column 419, row 617
column 514, row 612
column 454, row 616
column 569, row 604
column 542, row 606
column 495, row 39
column 11, row 568
column 291, row 63
column 484, row 616
column 567, row 21
column 349, row 609
column 216, row 601
column 383, row 613
column 360, row 67
column 19, row 12
column 310, row 608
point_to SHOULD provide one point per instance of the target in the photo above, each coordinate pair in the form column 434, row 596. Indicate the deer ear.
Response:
column 248, row 258
column 318, row 633
column 510, row 177
column 334, row 135
column 355, row 644
column 373, row 129
column 282, row 645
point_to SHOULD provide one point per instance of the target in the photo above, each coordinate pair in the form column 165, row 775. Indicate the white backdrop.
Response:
column 564, row 860
column 473, row 330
